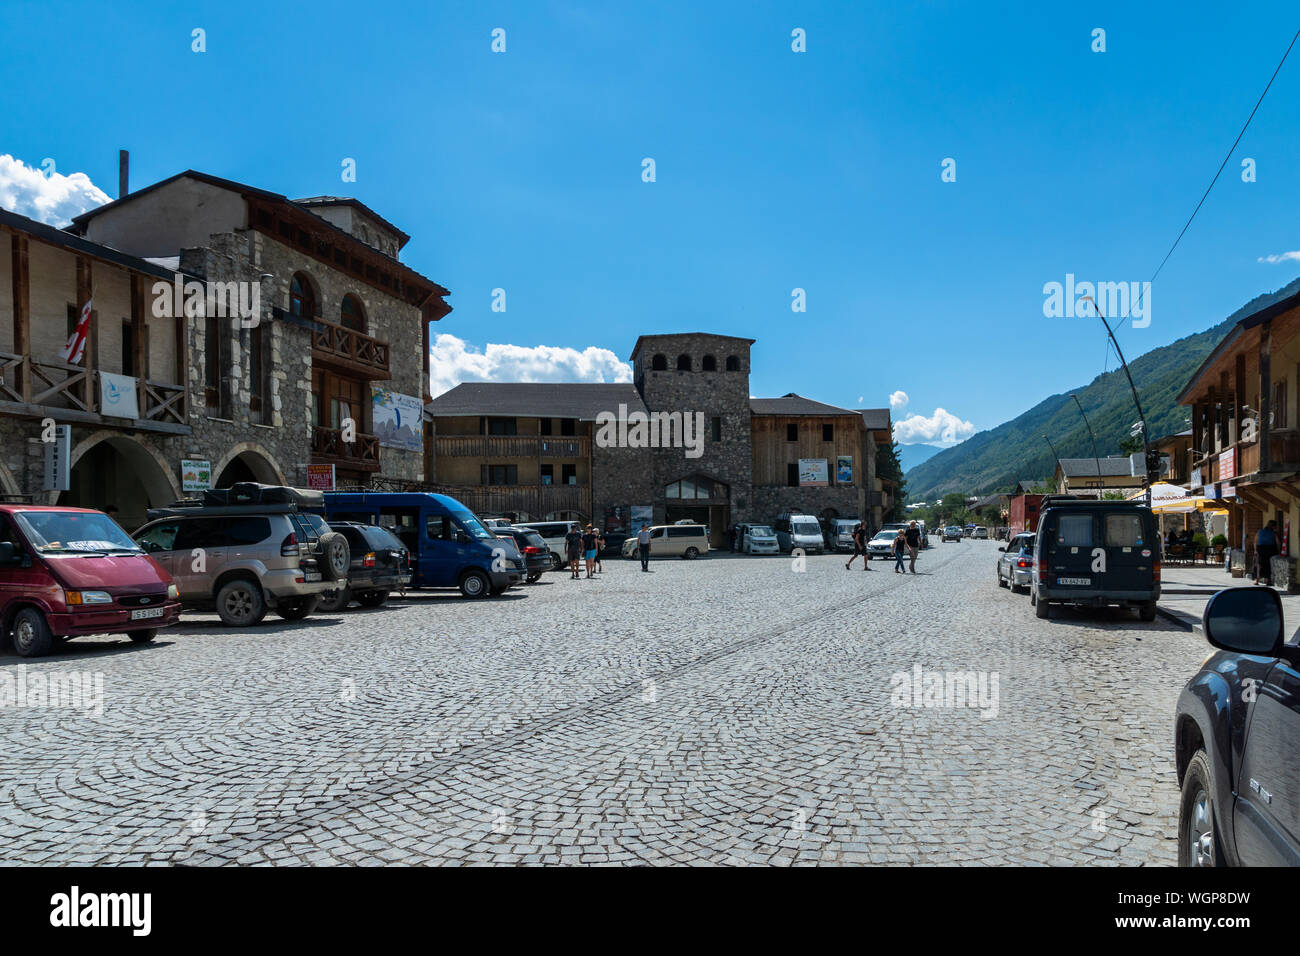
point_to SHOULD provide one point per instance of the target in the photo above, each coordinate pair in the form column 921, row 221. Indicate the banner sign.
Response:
column 58, row 460
column 1228, row 465
column 812, row 472
column 117, row 396
column 196, row 474
column 398, row 420
column 320, row 477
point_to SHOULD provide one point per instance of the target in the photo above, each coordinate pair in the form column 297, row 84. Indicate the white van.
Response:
column 553, row 533
column 799, row 531
column 672, row 541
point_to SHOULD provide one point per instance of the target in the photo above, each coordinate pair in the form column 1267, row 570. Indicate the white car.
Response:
column 882, row 544
column 758, row 539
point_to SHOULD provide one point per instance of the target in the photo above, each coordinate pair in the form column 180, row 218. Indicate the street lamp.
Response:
column 1054, row 454
column 1142, row 418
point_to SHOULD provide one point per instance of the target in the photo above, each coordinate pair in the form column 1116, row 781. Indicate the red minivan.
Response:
column 66, row 572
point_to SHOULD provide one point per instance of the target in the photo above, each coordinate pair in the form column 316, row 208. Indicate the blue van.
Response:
column 449, row 546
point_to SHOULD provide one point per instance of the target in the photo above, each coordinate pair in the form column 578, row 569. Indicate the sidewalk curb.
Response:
column 1183, row 620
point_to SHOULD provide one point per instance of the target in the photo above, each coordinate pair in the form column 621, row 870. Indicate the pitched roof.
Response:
column 876, row 419
column 1087, row 467
column 581, row 400
column 1224, row 347
column 355, row 204
column 59, row 237
column 792, row 404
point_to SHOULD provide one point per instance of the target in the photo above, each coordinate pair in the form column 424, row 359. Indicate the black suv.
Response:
column 379, row 565
column 1235, row 736
column 1096, row 553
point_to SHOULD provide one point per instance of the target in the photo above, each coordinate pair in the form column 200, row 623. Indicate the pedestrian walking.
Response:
column 913, row 538
column 860, row 547
column 643, row 546
column 589, row 549
column 1265, row 549
column 572, row 549
column 900, row 549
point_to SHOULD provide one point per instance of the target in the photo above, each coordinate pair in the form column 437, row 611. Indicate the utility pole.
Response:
column 1142, row 418
column 1095, row 457
column 1054, row 454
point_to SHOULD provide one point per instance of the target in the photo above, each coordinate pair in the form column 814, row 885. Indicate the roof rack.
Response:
column 191, row 507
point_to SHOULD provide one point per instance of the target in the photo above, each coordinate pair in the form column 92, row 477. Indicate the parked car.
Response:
column 245, row 559
column 758, row 539
column 537, row 556
column 614, row 543
column 673, row 541
column 379, row 565
column 1236, row 728
column 70, row 572
column 1096, row 553
column 799, row 531
column 951, row 533
column 496, row 525
column 841, row 530
column 448, row 545
column 1016, row 563
column 980, row 532
column 553, row 533
column 881, row 544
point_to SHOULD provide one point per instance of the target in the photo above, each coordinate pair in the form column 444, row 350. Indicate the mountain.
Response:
column 909, row 456
column 994, row 460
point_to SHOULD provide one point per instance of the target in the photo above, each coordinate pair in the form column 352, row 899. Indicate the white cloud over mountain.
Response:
column 941, row 427
column 52, row 199
column 453, row 360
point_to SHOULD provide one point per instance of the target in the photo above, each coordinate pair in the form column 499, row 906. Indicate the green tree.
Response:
column 887, row 466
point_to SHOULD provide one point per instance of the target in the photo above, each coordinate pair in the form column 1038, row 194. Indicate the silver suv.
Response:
column 244, row 559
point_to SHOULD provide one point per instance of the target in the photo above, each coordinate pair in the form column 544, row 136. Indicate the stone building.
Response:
column 261, row 334
column 717, row 455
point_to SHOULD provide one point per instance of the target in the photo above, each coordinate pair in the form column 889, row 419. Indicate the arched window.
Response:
column 352, row 316
column 683, row 363
column 302, row 299
column 710, row 364
column 659, row 364
column 733, row 364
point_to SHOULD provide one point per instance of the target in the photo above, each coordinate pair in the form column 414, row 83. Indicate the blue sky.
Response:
column 775, row 170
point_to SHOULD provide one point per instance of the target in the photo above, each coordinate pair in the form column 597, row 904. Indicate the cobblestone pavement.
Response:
column 725, row 710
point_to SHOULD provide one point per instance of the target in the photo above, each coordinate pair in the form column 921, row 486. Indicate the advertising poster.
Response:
column 616, row 519
column 844, row 470
column 398, row 420
column 196, row 474
column 117, row 396
column 640, row 514
column 320, row 477
column 812, row 472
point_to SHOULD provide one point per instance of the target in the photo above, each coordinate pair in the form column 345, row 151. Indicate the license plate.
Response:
column 311, row 576
column 146, row 613
column 1083, row 581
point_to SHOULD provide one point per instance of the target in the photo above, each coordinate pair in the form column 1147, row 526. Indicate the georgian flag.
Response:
column 71, row 353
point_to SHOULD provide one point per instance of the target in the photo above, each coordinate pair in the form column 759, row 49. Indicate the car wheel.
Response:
column 1147, row 612
column 557, row 562
column 295, row 609
column 1041, row 609
column 475, row 584
column 336, row 600
column 691, row 554
column 336, row 556
column 1198, row 837
column 1002, row 582
column 144, row 636
column 31, row 634
column 534, row 577
column 240, row 603
column 373, row 598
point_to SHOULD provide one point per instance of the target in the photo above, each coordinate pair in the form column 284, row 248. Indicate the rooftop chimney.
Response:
column 123, row 169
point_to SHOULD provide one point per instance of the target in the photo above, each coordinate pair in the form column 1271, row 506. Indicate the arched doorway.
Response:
column 116, row 470
column 702, row 499
column 247, row 462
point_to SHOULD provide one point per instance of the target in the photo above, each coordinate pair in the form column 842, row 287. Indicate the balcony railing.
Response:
column 55, row 385
column 350, row 350
column 1284, row 455
column 512, row 446
column 534, row 502
column 328, row 446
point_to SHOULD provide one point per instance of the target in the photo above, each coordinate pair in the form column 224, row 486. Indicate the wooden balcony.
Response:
column 1284, row 456
column 484, row 447
column 329, row 448
column 70, row 393
column 349, row 351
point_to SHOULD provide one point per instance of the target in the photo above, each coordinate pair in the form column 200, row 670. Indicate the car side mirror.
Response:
column 9, row 553
column 1246, row 620
column 462, row 537
column 1002, row 549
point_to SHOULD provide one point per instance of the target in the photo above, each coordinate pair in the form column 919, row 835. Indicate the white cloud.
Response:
column 941, row 427
column 898, row 401
column 53, row 200
column 1280, row 257
column 453, row 360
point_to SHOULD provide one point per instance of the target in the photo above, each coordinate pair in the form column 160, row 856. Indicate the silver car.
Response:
column 1016, row 563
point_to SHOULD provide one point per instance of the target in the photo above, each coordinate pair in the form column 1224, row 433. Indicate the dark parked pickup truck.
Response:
column 1235, row 735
